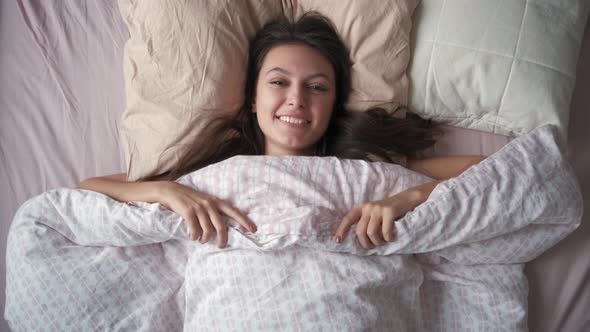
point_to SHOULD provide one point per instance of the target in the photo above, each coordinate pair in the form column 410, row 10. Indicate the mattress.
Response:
column 62, row 93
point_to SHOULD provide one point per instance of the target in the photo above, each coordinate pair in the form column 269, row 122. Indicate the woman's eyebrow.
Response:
column 286, row 72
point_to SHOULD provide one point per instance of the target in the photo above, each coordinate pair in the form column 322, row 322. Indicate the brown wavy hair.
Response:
column 371, row 135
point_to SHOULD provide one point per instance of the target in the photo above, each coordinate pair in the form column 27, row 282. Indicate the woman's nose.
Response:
column 296, row 97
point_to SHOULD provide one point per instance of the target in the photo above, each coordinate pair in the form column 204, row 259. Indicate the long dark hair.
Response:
column 371, row 135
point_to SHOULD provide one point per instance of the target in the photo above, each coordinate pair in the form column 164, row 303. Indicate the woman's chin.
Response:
column 291, row 149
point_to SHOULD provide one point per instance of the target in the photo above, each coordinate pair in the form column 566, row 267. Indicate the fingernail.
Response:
column 338, row 239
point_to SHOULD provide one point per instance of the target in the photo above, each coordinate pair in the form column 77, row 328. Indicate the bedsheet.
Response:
column 78, row 260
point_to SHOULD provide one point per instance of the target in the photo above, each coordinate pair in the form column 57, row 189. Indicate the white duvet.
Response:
column 80, row 261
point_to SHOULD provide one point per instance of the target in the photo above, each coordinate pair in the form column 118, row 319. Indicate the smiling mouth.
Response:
column 292, row 120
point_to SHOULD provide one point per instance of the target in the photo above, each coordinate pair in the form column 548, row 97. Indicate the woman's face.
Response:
column 294, row 99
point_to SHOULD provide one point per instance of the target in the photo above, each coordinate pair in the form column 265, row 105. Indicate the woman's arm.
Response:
column 376, row 219
column 443, row 168
column 440, row 169
column 117, row 187
column 201, row 212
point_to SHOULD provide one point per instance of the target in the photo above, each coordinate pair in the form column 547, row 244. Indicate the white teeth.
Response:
column 292, row 120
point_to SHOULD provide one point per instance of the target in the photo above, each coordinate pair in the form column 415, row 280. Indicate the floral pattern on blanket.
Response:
column 78, row 260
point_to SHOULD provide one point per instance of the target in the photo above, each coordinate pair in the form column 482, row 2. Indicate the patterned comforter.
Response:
column 79, row 261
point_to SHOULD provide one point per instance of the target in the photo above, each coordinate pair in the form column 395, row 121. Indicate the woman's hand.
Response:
column 376, row 219
column 201, row 212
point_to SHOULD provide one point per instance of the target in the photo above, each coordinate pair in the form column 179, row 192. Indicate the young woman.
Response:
column 298, row 81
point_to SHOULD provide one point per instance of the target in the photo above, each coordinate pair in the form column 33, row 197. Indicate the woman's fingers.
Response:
column 349, row 219
column 361, row 231
column 388, row 225
column 355, row 215
column 220, row 226
column 235, row 214
column 194, row 230
column 204, row 217
column 203, row 213
column 374, row 229
column 375, row 225
column 205, row 222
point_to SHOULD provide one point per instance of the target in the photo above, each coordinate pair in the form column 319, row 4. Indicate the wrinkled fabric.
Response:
column 185, row 64
column 504, row 67
column 78, row 260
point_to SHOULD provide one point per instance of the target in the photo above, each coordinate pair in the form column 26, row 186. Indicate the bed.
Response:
column 63, row 93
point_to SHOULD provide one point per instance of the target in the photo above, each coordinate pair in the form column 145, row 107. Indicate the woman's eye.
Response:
column 278, row 83
column 318, row 87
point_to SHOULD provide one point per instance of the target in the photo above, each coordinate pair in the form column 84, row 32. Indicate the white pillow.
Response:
column 505, row 67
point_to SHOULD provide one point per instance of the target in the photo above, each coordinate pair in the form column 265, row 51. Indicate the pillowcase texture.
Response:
column 505, row 67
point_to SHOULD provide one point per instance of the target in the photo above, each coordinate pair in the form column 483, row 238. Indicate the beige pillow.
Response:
column 186, row 60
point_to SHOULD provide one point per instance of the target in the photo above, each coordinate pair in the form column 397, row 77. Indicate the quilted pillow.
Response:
column 505, row 67
column 186, row 60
